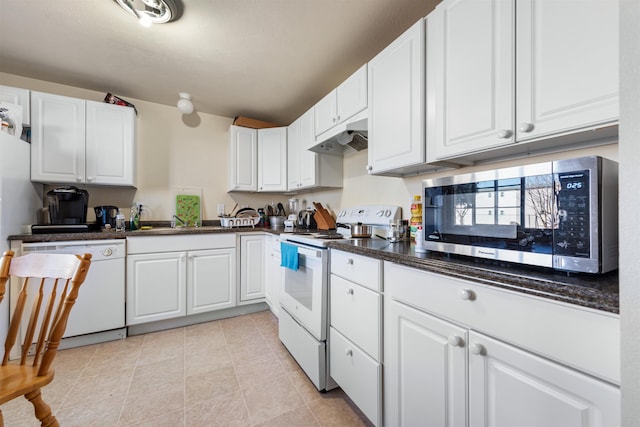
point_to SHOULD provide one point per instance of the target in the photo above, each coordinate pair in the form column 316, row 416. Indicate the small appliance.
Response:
column 106, row 215
column 561, row 214
column 67, row 205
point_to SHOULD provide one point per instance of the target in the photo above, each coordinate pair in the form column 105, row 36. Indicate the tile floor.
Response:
column 231, row 372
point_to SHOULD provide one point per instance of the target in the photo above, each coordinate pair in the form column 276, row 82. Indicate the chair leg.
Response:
column 42, row 410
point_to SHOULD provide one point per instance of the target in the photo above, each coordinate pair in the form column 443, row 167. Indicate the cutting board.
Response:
column 323, row 218
column 188, row 209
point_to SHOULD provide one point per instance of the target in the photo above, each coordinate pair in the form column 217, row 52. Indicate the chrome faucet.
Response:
column 177, row 218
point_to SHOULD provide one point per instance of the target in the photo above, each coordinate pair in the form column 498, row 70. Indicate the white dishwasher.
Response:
column 98, row 314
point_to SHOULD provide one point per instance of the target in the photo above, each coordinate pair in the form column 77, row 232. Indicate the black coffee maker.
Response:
column 68, row 205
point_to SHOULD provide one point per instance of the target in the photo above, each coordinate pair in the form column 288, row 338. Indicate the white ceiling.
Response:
column 265, row 59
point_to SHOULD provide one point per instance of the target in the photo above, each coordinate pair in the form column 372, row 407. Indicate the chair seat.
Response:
column 17, row 380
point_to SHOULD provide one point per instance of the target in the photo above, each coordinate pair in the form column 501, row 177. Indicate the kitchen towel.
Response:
column 289, row 256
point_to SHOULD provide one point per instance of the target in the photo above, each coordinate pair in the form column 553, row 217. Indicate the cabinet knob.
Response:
column 90, row 178
column 466, row 294
column 526, row 127
column 79, row 178
column 504, row 133
column 350, row 261
column 477, row 349
column 369, row 168
column 456, row 341
column 348, row 352
column 350, row 291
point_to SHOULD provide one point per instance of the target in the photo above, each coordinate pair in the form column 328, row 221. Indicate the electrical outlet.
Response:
column 220, row 209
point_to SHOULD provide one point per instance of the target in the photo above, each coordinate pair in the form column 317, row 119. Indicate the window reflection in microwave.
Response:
column 525, row 202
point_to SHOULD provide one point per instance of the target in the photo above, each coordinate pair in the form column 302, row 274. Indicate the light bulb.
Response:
column 184, row 103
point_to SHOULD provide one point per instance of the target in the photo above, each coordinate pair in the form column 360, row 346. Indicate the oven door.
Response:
column 304, row 294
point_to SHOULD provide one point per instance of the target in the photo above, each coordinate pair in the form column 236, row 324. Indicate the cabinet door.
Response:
column 325, row 113
column 110, row 144
column 272, row 159
column 156, row 286
column 57, row 138
column 425, row 373
column 308, row 159
column 15, row 95
column 396, row 103
column 567, row 66
column 274, row 273
column 211, row 280
column 243, row 159
column 252, row 259
column 470, row 77
column 511, row 387
column 294, row 153
column 352, row 95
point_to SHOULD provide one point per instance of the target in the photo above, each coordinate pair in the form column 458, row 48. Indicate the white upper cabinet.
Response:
column 74, row 141
column 396, row 104
column 110, row 144
column 243, row 159
column 567, row 66
column 342, row 103
column 470, row 76
column 15, row 95
column 272, row 159
column 499, row 75
column 307, row 169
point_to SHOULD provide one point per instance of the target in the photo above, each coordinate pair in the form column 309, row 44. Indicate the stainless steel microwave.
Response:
column 561, row 214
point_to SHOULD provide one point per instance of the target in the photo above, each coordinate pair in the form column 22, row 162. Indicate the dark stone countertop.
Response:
column 598, row 292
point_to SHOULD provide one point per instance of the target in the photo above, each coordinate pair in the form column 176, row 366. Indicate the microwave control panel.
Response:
column 572, row 236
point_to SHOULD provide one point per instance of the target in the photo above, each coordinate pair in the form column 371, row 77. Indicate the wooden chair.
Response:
column 64, row 273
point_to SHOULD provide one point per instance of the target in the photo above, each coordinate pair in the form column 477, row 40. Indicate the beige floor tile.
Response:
column 172, row 419
column 201, row 361
column 256, row 367
column 210, row 385
column 272, row 398
column 304, row 386
column 224, row 411
column 104, row 412
column 95, row 389
column 151, row 402
column 299, row 417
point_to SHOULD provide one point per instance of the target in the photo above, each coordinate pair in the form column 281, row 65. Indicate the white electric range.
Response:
column 303, row 322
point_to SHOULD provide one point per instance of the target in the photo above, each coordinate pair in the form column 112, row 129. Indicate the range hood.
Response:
column 348, row 136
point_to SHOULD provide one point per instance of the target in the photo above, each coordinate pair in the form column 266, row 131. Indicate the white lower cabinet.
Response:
column 512, row 387
column 425, row 370
column 355, row 334
column 252, row 267
column 274, row 273
column 175, row 276
column 458, row 353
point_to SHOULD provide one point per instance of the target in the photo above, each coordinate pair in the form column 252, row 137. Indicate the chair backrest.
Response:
column 63, row 274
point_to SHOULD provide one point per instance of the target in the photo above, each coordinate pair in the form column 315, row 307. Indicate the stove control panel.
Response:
column 369, row 214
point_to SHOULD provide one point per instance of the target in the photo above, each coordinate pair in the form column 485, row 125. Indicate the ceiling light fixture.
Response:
column 151, row 11
column 184, row 103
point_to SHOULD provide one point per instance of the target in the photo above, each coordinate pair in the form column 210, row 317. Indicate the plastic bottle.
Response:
column 134, row 217
column 419, row 248
column 416, row 215
column 120, row 225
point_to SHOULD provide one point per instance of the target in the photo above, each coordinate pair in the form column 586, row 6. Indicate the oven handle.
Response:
column 303, row 250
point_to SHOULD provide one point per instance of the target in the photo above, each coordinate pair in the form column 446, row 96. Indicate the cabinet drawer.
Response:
column 563, row 332
column 359, row 269
column 355, row 312
column 182, row 242
column 358, row 374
